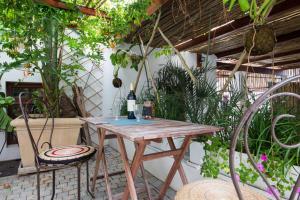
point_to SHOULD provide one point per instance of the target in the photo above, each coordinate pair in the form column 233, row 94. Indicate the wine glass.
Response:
column 138, row 109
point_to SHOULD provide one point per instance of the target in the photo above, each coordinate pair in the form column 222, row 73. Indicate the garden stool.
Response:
column 55, row 157
column 233, row 190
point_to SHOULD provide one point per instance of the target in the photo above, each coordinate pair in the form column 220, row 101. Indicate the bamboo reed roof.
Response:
column 204, row 27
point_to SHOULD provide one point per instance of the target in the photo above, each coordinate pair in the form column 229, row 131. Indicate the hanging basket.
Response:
column 264, row 41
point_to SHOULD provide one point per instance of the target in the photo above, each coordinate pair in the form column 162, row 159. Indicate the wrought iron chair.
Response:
column 217, row 189
column 54, row 158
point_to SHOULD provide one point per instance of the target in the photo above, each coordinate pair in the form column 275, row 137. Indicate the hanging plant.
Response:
column 117, row 82
column 122, row 59
column 261, row 38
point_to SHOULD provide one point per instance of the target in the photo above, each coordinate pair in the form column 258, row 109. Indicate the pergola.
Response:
column 194, row 118
column 202, row 28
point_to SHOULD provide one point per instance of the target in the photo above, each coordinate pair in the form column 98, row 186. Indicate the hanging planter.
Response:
column 122, row 59
column 264, row 40
column 261, row 38
column 117, row 82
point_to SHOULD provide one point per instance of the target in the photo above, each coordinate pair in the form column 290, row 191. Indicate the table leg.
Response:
column 180, row 169
column 144, row 175
column 106, row 177
column 101, row 137
column 130, row 181
column 174, row 167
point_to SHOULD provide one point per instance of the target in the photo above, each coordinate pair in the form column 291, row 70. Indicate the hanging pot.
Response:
column 117, row 82
column 264, row 41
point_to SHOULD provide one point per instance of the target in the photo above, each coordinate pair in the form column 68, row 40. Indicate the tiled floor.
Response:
column 24, row 187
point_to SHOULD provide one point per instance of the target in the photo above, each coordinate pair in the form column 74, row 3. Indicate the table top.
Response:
column 159, row 128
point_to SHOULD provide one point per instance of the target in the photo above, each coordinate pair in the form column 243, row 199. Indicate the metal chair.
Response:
column 233, row 190
column 54, row 158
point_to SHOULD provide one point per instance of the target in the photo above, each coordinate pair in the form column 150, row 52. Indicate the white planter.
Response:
column 66, row 132
column 196, row 153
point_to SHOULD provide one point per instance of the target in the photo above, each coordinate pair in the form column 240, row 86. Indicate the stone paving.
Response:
column 24, row 187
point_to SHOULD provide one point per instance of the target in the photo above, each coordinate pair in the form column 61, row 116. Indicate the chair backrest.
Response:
column 244, row 125
column 28, row 109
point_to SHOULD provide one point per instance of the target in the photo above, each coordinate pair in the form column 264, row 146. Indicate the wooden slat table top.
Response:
column 160, row 128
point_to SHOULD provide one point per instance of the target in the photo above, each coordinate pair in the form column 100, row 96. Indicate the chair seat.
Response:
column 66, row 154
column 215, row 190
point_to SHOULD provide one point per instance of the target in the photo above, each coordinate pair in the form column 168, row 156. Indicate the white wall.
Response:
column 11, row 152
column 129, row 75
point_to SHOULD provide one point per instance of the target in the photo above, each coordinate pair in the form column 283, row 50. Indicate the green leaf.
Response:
column 232, row 3
column 5, row 121
column 244, row 5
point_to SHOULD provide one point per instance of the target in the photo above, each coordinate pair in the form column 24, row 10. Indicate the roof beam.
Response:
column 239, row 23
column 281, row 38
column 155, row 5
column 279, row 64
column 291, row 66
column 276, row 55
column 259, row 70
column 62, row 5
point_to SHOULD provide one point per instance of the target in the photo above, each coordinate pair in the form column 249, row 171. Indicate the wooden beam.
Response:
column 157, row 155
column 239, row 23
column 276, row 55
column 280, row 38
column 155, row 5
column 259, row 70
column 283, row 63
column 291, row 66
column 62, row 5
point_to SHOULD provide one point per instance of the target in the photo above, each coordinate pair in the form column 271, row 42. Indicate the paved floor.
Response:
column 24, row 187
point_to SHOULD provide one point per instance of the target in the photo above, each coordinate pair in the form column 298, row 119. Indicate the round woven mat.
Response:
column 214, row 190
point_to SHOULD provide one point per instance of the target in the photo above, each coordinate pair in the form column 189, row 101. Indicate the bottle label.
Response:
column 130, row 105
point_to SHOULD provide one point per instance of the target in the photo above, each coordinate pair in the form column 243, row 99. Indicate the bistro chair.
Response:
column 233, row 190
column 54, row 157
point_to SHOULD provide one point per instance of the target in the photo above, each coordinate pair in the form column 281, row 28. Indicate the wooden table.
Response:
column 142, row 135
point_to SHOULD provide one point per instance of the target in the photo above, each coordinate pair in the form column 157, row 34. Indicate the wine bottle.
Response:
column 131, row 103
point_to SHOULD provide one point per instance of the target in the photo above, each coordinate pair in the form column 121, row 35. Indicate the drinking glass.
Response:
column 116, row 111
column 138, row 110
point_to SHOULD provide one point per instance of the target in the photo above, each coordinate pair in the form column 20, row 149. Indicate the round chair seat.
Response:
column 214, row 190
column 66, row 154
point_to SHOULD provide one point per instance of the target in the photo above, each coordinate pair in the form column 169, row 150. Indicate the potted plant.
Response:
column 35, row 37
column 261, row 38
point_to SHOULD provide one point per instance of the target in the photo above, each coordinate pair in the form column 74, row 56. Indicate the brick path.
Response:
column 24, row 187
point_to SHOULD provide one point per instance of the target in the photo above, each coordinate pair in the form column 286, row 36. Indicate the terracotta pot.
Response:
column 66, row 132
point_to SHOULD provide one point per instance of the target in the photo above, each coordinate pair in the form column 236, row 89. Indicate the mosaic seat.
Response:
column 66, row 154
